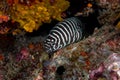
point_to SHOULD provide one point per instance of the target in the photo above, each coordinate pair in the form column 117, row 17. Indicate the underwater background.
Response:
column 25, row 24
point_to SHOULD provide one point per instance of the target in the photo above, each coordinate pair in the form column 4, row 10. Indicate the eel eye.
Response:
column 52, row 40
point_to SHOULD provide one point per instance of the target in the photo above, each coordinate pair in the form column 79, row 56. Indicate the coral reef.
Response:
column 94, row 58
column 87, row 59
column 32, row 14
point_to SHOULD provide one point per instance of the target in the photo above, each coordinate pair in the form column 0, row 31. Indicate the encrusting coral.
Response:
column 32, row 14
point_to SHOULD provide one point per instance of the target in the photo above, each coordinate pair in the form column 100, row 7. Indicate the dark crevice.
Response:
column 60, row 70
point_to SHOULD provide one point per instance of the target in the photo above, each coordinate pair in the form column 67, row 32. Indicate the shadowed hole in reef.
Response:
column 43, row 30
column 60, row 70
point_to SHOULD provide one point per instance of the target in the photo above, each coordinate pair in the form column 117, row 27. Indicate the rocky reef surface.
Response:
column 94, row 58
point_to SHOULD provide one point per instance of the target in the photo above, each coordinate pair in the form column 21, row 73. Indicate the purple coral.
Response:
column 23, row 54
column 111, row 66
column 96, row 73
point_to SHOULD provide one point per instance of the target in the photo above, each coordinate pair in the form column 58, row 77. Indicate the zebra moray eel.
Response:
column 69, row 31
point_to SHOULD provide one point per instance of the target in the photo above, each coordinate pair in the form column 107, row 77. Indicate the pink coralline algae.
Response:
column 1, row 77
column 40, row 76
column 111, row 65
column 109, row 1
column 95, row 74
column 23, row 54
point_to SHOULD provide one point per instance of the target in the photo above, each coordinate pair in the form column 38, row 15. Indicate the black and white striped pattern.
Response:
column 64, row 33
